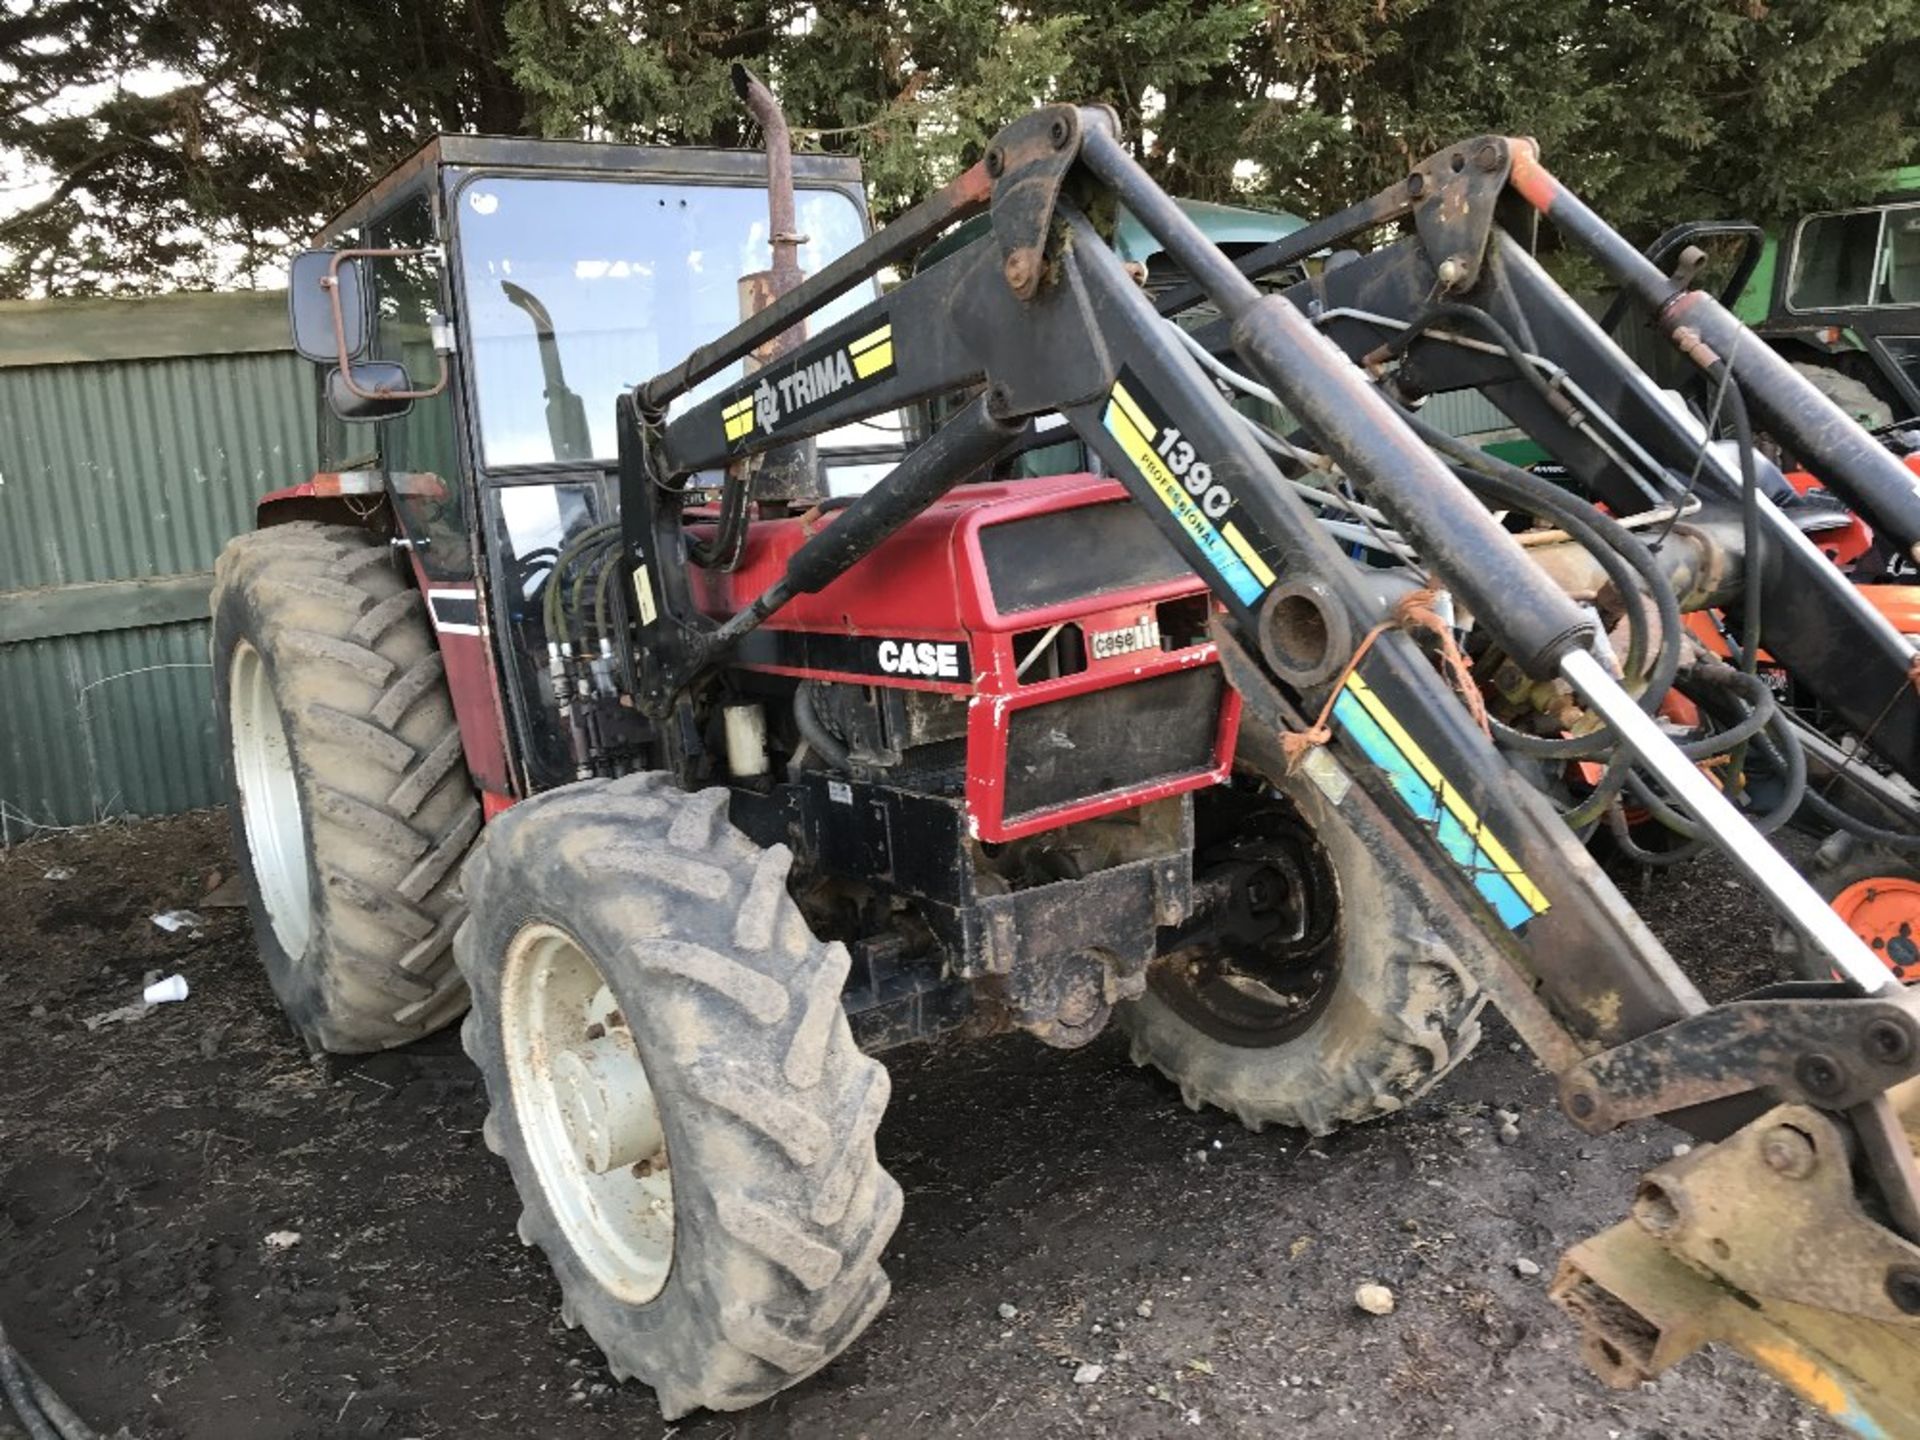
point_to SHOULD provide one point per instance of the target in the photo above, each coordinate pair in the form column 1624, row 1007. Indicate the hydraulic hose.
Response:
column 1619, row 552
column 45, row 1415
column 814, row 730
column 1788, row 755
column 1494, row 330
column 1907, row 842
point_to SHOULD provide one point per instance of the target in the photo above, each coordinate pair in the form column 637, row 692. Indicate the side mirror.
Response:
column 373, row 390
column 323, row 330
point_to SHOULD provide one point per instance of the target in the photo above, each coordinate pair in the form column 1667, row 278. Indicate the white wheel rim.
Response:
column 269, row 800
column 587, row 1113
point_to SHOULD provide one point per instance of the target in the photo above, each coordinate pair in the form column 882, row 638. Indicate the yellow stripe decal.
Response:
column 867, row 342
column 1128, row 425
column 1247, row 553
column 870, row 362
column 1449, row 795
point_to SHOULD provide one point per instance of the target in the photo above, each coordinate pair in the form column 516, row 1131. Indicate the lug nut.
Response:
column 1453, row 272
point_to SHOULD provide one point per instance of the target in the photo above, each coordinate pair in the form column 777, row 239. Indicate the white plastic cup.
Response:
column 174, row 987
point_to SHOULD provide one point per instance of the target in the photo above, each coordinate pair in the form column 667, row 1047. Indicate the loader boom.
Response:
column 1045, row 319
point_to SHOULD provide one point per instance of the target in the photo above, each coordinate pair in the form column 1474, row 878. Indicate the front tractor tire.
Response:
column 1367, row 1013
column 676, row 1090
column 348, row 790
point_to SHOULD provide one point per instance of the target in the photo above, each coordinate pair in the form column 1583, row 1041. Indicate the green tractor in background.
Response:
column 1838, row 293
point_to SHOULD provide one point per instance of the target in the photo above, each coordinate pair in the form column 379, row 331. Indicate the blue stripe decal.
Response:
column 1412, row 788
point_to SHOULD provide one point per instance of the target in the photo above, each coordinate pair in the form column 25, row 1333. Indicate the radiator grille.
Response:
column 1115, row 739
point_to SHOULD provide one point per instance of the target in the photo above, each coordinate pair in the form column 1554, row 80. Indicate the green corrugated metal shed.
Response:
column 135, row 436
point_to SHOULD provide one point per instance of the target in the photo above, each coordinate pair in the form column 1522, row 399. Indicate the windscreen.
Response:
column 577, row 289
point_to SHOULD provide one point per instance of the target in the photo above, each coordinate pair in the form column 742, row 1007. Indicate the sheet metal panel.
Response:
column 122, row 469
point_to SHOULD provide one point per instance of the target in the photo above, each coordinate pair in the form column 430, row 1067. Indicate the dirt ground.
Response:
column 144, row 1166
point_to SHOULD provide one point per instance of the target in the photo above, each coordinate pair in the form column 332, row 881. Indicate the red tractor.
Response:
column 710, row 733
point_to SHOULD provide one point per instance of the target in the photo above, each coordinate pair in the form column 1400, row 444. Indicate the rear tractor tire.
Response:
column 348, row 790
column 675, row 1088
column 1364, row 1012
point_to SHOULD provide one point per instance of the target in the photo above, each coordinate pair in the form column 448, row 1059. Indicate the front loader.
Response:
column 798, row 736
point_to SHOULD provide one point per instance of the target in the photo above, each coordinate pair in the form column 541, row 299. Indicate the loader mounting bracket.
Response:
column 1456, row 193
column 1810, row 1043
column 1758, row 1242
column 1029, row 162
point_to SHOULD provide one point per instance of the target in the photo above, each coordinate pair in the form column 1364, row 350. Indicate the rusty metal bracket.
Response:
column 1759, row 1242
column 1455, row 194
column 1726, row 1209
column 1807, row 1043
column 1028, row 164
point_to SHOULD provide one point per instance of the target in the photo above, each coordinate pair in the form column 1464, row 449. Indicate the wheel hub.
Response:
column 606, row 1104
column 1884, row 911
column 587, row 1112
column 1261, row 966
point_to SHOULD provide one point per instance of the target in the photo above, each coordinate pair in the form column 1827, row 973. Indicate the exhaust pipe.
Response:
column 791, row 473
column 781, row 223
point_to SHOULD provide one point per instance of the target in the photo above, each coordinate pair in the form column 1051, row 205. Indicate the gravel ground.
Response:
column 1064, row 1212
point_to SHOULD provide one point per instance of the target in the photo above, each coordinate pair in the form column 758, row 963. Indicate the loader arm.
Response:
column 1469, row 212
column 1045, row 319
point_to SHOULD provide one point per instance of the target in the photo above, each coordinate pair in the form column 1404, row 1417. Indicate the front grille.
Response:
column 1114, row 739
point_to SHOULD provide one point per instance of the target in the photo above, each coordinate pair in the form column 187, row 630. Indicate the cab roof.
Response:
column 583, row 157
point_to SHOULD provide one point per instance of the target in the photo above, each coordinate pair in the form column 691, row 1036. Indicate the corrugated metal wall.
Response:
column 134, row 465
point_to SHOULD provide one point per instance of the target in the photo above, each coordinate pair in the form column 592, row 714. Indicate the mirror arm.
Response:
column 332, row 283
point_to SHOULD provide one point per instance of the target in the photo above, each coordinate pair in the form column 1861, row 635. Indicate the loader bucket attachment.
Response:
column 1760, row 1243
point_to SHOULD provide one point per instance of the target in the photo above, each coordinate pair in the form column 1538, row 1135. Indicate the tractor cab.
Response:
column 474, row 317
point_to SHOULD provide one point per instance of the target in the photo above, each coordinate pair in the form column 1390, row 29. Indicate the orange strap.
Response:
column 1413, row 611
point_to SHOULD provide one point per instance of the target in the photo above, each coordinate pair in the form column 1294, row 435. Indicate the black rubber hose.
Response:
column 729, row 541
column 19, row 1393
column 551, row 607
column 1494, row 330
column 1905, row 841
column 815, row 732
column 1600, row 534
column 1787, row 755
column 59, row 1414
column 586, row 567
column 1600, row 800
column 1623, row 837
column 1615, row 548
column 1762, row 706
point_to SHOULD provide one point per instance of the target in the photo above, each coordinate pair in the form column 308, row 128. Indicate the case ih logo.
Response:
column 1106, row 644
column 929, row 658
